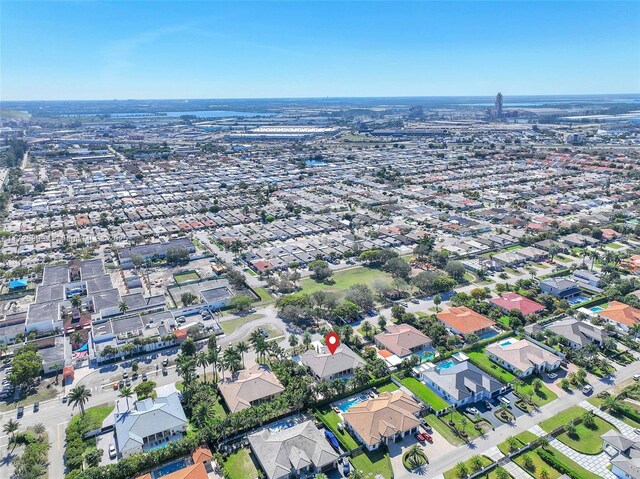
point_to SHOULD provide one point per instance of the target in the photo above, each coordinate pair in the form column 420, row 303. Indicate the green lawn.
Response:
column 265, row 297
column 538, row 465
column 94, row 416
column 239, row 465
column 424, row 393
column 453, row 473
column 614, row 246
column 572, row 466
column 444, row 430
column 344, row 279
column 587, row 440
column 229, row 326
column 331, row 420
column 457, row 417
column 563, row 258
column 184, row 277
column 562, row 418
column 541, row 397
column 480, row 359
column 374, row 463
column 389, row 387
column 523, row 438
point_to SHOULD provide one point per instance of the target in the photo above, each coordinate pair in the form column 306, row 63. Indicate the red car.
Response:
column 427, row 437
column 419, row 437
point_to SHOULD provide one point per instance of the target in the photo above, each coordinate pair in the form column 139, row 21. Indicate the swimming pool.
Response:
column 282, row 425
column 426, row 355
column 597, row 309
column 170, row 468
column 446, row 364
column 347, row 403
column 577, row 299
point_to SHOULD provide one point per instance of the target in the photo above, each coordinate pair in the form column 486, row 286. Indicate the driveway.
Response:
column 439, row 447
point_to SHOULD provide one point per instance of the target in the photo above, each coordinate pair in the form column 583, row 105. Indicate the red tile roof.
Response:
column 511, row 301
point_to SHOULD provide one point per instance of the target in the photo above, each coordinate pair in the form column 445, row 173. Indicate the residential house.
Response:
column 509, row 258
column 620, row 315
column 296, row 451
column 383, row 419
column 250, row 387
column 464, row 321
column 586, row 277
column 624, row 453
column 324, row 365
column 560, row 288
column 460, row 383
column 149, row 424
column 578, row 334
column 522, row 357
column 403, row 340
column 533, row 254
column 514, row 301
column 631, row 264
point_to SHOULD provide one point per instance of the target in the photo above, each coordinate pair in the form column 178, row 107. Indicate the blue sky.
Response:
column 123, row 49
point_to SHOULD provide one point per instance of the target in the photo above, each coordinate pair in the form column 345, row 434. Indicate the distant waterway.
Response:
column 178, row 114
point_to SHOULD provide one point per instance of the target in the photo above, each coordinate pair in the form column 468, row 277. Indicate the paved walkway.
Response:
column 516, row 471
column 596, row 463
column 626, row 430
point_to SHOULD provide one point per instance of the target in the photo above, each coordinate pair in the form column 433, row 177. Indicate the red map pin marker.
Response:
column 333, row 341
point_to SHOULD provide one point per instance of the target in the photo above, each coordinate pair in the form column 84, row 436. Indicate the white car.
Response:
column 473, row 411
column 504, row 400
column 112, row 451
column 636, row 377
column 588, row 389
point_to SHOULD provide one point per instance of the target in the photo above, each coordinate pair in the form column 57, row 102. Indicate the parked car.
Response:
column 125, row 375
column 165, row 363
column 112, row 451
column 144, row 376
column 20, row 411
column 552, row 375
column 428, row 437
column 473, row 411
column 419, row 436
column 428, row 428
column 345, row 468
column 636, row 377
column 36, row 406
column 588, row 389
column 64, row 399
column 504, row 400
column 488, row 405
column 165, row 371
column 181, row 319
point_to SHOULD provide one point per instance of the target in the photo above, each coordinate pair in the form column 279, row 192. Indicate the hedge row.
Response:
column 550, row 459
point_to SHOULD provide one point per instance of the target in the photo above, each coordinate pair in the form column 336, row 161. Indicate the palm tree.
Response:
column 544, row 474
column 501, row 473
column 202, row 359
column 476, row 463
column 366, row 329
column 214, row 360
column 416, row 456
column 76, row 301
column 513, row 444
column 202, row 412
column 461, row 470
column 356, row 474
column 185, row 367
column 76, row 338
column 516, row 383
column 123, row 307
column 259, row 344
column 307, row 340
column 11, row 428
column 242, row 348
column 293, row 342
column 537, row 384
column 126, row 392
column 79, row 396
column 594, row 256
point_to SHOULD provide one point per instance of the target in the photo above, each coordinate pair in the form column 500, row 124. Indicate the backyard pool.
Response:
column 446, row 364
column 426, row 355
column 577, row 299
column 170, row 468
column 597, row 309
column 282, row 425
column 347, row 403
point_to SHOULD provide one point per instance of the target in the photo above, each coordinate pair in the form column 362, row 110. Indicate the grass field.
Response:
column 264, row 296
column 541, row 397
column 374, row 463
column 345, row 278
column 571, row 465
column 231, row 325
column 562, row 418
column 424, row 393
column 614, row 246
column 184, row 277
column 587, row 440
column 389, row 387
column 522, row 439
column 480, row 359
column 331, row 420
column 94, row 416
column 538, row 465
column 239, row 465
column 444, row 430
column 453, row 473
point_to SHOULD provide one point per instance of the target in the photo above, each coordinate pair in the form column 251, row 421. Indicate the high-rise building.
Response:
column 498, row 106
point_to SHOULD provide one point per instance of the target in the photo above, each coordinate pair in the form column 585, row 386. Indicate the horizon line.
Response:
column 326, row 97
